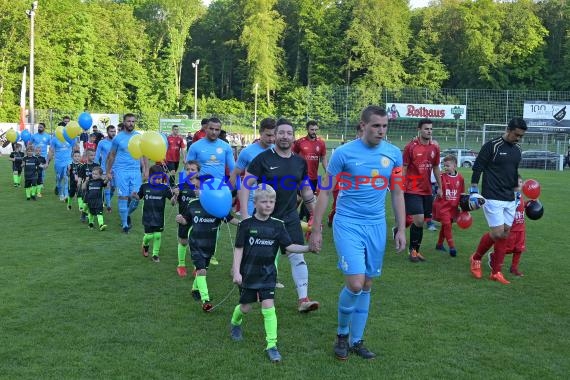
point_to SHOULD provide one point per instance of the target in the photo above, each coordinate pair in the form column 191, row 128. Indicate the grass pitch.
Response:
column 77, row 303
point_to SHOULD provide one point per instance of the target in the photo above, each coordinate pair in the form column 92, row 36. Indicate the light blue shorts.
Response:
column 360, row 247
column 127, row 182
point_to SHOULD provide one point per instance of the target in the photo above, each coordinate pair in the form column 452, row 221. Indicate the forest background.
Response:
column 137, row 55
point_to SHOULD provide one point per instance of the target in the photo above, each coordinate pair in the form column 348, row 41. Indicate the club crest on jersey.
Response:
column 385, row 162
column 219, row 150
column 432, row 154
column 251, row 240
column 213, row 157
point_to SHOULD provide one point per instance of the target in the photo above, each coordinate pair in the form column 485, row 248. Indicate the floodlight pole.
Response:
column 195, row 66
column 255, row 112
column 31, row 14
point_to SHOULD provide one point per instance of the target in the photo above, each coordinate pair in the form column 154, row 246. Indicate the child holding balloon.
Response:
column 445, row 209
column 31, row 165
column 202, row 237
column 16, row 157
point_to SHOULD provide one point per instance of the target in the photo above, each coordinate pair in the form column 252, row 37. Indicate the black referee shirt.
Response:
column 498, row 161
column 285, row 175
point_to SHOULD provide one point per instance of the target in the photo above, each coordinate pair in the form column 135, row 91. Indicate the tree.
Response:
column 262, row 30
column 379, row 34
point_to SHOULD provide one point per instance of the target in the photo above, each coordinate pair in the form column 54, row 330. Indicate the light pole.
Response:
column 255, row 113
column 31, row 14
column 195, row 66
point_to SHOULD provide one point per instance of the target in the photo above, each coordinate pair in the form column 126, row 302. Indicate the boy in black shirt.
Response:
column 16, row 157
column 154, row 194
column 185, row 195
column 41, row 167
column 202, row 239
column 93, row 193
column 31, row 166
column 73, row 173
column 84, row 175
column 257, row 242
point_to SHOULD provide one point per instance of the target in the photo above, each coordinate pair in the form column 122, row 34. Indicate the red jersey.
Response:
column 452, row 186
column 198, row 135
column 90, row 145
column 175, row 143
column 312, row 151
column 518, row 223
column 420, row 160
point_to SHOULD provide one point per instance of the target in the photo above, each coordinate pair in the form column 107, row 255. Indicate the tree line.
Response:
column 137, row 55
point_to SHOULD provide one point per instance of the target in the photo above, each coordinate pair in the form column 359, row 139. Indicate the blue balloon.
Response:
column 85, row 121
column 216, row 197
column 26, row 136
column 68, row 139
column 18, row 136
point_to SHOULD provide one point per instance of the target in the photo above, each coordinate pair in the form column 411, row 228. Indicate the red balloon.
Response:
column 464, row 220
column 531, row 188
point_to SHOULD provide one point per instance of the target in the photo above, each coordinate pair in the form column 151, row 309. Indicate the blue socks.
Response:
column 346, row 305
column 133, row 206
column 107, row 193
column 360, row 316
column 122, row 205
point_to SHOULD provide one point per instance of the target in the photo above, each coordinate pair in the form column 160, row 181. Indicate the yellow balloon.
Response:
column 305, row 226
column 153, row 146
column 134, row 147
column 73, row 129
column 59, row 133
column 11, row 136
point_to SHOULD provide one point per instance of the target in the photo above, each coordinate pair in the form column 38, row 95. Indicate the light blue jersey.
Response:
column 123, row 159
column 244, row 159
column 41, row 140
column 62, row 152
column 103, row 149
column 213, row 157
column 363, row 174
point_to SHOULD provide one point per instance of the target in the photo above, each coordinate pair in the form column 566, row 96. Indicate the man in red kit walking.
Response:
column 202, row 132
column 313, row 150
column 176, row 144
column 421, row 156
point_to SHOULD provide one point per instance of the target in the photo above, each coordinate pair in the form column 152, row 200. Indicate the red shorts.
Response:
column 516, row 242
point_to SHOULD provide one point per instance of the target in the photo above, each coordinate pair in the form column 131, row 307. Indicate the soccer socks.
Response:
column 28, row 192
column 498, row 255
column 237, row 316
column 147, row 239
column 80, row 203
column 270, row 323
column 300, row 274
column 346, row 305
column 202, row 286
column 39, row 189
column 446, row 229
column 132, row 206
column 181, row 255
column 122, row 205
column 107, row 193
column 516, row 260
column 360, row 316
column 416, row 236
column 34, row 191
column 90, row 217
column 100, row 220
column 485, row 243
column 15, row 177
column 156, row 243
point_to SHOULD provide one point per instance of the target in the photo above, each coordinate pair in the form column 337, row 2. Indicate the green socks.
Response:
column 270, row 322
column 16, row 179
column 28, row 192
column 34, row 191
column 100, row 220
column 156, row 237
column 237, row 316
column 181, row 255
column 202, row 286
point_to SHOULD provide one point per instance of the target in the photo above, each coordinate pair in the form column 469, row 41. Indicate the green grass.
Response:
column 85, row 304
